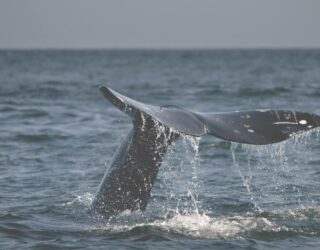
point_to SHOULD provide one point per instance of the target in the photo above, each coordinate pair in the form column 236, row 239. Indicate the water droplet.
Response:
column 303, row 122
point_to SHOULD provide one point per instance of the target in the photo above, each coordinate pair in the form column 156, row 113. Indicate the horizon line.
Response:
column 167, row 48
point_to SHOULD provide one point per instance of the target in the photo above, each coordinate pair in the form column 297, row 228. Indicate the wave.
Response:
column 38, row 137
column 149, row 225
column 274, row 223
column 209, row 92
column 247, row 92
column 37, row 90
column 198, row 226
column 296, row 214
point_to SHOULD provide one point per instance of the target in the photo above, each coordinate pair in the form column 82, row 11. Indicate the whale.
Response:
column 128, row 180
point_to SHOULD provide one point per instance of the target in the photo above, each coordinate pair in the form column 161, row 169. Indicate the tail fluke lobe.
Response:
column 260, row 126
column 172, row 117
column 252, row 127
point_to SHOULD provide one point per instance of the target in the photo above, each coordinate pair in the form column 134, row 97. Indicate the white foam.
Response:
column 82, row 200
column 202, row 226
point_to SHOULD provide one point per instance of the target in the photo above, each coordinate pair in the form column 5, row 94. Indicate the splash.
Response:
column 246, row 180
column 198, row 226
column 176, row 204
column 274, row 173
column 202, row 226
column 179, row 177
column 84, row 200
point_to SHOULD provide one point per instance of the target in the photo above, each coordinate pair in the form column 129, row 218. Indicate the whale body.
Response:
column 129, row 178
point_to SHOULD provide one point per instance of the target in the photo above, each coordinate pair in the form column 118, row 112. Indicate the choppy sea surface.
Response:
column 58, row 134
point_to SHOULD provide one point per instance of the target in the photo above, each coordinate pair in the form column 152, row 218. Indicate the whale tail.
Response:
column 128, row 181
column 259, row 127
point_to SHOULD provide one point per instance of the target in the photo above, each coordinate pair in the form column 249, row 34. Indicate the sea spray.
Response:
column 272, row 173
column 179, row 177
column 246, row 179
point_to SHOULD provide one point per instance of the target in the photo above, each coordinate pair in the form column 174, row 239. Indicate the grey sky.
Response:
column 159, row 24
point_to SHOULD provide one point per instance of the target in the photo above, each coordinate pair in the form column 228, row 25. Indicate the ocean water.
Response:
column 58, row 134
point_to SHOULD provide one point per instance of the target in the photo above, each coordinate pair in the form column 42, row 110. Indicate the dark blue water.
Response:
column 57, row 134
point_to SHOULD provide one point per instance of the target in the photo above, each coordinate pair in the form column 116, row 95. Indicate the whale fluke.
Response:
column 258, row 127
column 128, row 180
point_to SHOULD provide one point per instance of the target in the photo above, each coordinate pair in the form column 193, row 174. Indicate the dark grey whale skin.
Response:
column 128, row 180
